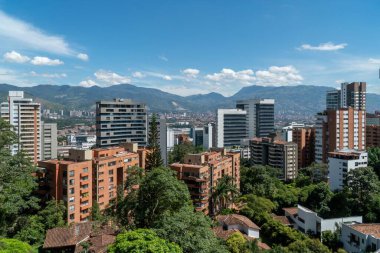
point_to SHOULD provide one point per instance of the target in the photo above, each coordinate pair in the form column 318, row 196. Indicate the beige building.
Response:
column 278, row 154
column 25, row 116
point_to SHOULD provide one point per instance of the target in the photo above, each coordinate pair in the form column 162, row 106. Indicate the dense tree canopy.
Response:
column 14, row 246
column 142, row 241
column 180, row 150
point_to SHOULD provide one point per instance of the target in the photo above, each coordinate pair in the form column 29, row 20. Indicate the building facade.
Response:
column 208, row 136
column 354, row 95
column 201, row 173
column 339, row 129
column 277, row 154
column 304, row 137
column 120, row 120
column 231, row 127
column 49, row 142
column 340, row 163
column 360, row 237
column 25, row 116
column 373, row 135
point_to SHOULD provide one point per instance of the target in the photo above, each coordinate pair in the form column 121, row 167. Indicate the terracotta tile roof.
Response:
column 283, row 219
column 236, row 219
column 224, row 234
column 67, row 236
column 369, row 229
column 291, row 210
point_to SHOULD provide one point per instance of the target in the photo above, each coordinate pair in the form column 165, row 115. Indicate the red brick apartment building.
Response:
column 87, row 176
column 304, row 137
column 201, row 173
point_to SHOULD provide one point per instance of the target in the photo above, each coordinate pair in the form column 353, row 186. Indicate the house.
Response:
column 308, row 221
column 358, row 237
column 235, row 223
column 77, row 237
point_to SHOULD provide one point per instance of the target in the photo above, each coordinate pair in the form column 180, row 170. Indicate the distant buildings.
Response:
column 121, row 120
column 201, row 173
column 231, row 127
column 37, row 139
column 350, row 95
column 341, row 163
column 373, row 135
column 277, row 154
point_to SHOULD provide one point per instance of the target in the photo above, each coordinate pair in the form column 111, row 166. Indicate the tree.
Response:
column 307, row 246
column 224, row 193
column 236, row 243
column 159, row 192
column 153, row 158
column 14, row 246
column 318, row 198
column 96, row 215
column 140, row 241
column 16, row 184
column 332, row 240
column 374, row 159
column 181, row 150
column 190, row 230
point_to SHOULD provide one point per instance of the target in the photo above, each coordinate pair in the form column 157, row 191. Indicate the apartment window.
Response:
column 84, row 178
column 110, row 172
column 110, row 179
column 111, row 194
column 71, row 173
column 71, row 181
column 72, row 208
column 85, row 169
column 71, row 191
column 71, row 199
column 72, row 216
column 112, row 163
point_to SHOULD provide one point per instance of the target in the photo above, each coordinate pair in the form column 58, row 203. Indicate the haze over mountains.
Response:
column 290, row 100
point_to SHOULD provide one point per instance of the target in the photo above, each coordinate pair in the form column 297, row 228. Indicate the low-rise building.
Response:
column 201, row 173
column 357, row 237
column 275, row 153
column 308, row 221
column 341, row 163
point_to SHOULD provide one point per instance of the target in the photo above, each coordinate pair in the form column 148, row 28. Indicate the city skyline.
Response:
column 189, row 47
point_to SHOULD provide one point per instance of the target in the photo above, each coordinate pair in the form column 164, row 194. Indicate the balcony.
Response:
column 84, row 174
column 85, row 198
column 82, row 191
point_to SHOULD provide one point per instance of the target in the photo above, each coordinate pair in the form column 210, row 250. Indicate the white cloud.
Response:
column 48, row 75
column 229, row 75
column 14, row 56
column 25, row 34
column 110, row 77
column 88, row 83
column 41, row 60
column 329, row 46
column 374, row 61
column 167, row 78
column 191, row 73
column 286, row 75
column 163, row 58
column 138, row 74
column 83, row 57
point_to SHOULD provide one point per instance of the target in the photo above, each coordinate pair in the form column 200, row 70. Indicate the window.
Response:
column 71, row 191
column 72, row 208
column 85, row 169
column 110, row 179
column 71, row 199
column 71, row 181
column 112, row 163
column 110, row 172
column 71, row 173
column 72, row 216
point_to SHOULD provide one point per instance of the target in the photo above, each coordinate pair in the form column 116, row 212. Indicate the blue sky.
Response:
column 190, row 47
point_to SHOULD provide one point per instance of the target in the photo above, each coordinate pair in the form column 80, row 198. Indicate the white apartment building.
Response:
column 341, row 163
column 231, row 127
column 308, row 221
column 25, row 116
column 357, row 237
column 208, row 133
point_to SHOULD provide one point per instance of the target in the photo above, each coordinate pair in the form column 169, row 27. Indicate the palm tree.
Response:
column 223, row 194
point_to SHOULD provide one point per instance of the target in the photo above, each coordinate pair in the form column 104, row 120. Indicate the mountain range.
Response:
column 301, row 100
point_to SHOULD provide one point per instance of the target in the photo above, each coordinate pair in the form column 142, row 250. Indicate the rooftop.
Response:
column 291, row 210
column 369, row 229
column 236, row 219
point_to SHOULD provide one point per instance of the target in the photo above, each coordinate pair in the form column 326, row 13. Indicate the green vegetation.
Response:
column 14, row 246
column 141, row 241
column 224, row 194
column 153, row 158
column 180, row 150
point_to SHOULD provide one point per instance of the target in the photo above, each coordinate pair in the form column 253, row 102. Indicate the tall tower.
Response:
column 25, row 116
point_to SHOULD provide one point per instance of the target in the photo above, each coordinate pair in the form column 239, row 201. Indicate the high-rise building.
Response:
column 373, row 135
column 287, row 131
column 25, row 116
column 333, row 99
column 231, row 127
column 49, row 142
column 120, row 120
column 341, row 163
column 304, row 137
column 353, row 95
column 201, row 173
column 277, row 154
column 208, row 136
column 197, row 135
column 339, row 129
column 260, row 116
